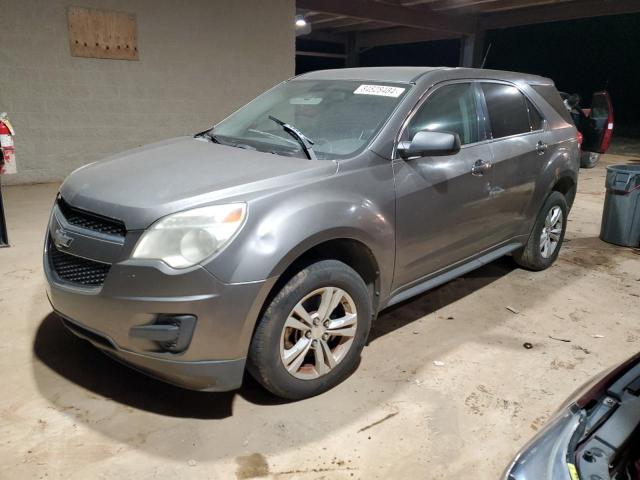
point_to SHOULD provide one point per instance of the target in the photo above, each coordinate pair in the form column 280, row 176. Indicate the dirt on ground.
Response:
column 446, row 386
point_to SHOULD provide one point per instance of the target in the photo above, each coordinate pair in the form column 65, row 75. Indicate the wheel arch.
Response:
column 349, row 250
column 567, row 186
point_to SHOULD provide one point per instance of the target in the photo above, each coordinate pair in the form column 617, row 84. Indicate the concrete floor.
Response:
column 70, row 412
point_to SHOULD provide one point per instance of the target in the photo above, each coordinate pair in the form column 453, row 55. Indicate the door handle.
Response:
column 480, row 167
column 541, row 148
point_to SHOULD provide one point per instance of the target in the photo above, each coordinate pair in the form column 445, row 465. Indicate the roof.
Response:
column 372, row 74
column 412, row 74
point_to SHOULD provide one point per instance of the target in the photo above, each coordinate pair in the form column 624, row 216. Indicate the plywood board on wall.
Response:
column 102, row 34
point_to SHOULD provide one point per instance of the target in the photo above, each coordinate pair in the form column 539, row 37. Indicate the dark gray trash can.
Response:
column 621, row 215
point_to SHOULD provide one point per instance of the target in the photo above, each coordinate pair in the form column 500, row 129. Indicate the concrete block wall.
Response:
column 199, row 61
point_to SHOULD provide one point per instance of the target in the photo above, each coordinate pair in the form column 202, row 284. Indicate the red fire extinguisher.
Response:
column 7, row 147
column 7, row 166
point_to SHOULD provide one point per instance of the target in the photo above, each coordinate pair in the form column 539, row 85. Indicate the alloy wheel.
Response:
column 551, row 232
column 318, row 333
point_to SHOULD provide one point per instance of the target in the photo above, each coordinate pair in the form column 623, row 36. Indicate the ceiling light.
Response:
column 300, row 21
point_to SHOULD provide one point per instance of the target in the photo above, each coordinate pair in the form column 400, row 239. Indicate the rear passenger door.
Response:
column 519, row 148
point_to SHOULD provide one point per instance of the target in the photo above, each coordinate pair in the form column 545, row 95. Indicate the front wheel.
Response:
column 311, row 335
column 589, row 159
column 547, row 235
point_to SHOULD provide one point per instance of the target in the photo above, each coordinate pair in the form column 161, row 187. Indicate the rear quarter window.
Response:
column 553, row 98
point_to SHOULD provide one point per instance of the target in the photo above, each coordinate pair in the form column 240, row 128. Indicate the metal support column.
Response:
column 4, row 238
column 471, row 49
column 351, row 50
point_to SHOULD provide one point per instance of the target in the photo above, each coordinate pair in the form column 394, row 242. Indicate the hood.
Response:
column 141, row 185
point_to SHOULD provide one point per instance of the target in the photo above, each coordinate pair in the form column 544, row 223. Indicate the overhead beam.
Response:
column 329, row 37
column 563, row 11
column 397, row 36
column 311, row 14
column 477, row 7
column 393, row 15
column 412, row 3
column 306, row 53
column 503, row 5
column 441, row 5
column 363, row 27
column 343, row 22
column 328, row 19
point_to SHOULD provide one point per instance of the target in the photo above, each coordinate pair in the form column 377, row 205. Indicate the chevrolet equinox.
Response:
column 271, row 241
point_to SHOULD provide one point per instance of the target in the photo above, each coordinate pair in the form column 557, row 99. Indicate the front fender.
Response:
column 277, row 232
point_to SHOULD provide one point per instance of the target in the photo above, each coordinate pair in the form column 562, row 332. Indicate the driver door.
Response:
column 443, row 213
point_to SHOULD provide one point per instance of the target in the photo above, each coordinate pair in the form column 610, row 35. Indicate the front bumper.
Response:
column 133, row 296
column 136, row 294
column 206, row 375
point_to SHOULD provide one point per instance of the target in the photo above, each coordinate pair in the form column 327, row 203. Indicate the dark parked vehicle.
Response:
column 595, row 437
column 594, row 123
column 273, row 240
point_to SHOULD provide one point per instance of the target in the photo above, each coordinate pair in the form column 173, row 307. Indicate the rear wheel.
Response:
column 547, row 235
column 589, row 159
column 311, row 335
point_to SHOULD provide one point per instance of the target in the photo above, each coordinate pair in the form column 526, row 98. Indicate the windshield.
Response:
column 339, row 117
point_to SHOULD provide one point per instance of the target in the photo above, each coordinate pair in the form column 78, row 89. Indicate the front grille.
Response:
column 76, row 270
column 91, row 221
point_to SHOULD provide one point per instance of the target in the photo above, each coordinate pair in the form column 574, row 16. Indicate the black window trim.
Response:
column 544, row 123
column 543, row 120
column 483, row 112
column 481, row 109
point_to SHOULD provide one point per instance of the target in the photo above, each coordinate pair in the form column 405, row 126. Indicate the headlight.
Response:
column 186, row 238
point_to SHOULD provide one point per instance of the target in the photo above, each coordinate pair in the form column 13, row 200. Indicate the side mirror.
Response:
column 429, row 143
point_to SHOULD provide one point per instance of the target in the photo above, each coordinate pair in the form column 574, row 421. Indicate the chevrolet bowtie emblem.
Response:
column 61, row 239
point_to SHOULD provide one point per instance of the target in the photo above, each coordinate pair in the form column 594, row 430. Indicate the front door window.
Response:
column 451, row 108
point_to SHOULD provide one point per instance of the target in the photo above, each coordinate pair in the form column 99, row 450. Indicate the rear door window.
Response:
column 508, row 113
column 451, row 108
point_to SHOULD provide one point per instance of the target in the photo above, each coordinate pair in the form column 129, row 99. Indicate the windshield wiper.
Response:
column 208, row 134
column 275, row 137
column 305, row 142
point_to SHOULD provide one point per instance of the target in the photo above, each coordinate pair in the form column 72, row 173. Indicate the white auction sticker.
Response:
column 381, row 90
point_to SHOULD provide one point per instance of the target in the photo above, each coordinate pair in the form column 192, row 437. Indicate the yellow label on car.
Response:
column 573, row 471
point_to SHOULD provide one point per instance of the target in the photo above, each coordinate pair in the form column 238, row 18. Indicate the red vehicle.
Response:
column 595, row 124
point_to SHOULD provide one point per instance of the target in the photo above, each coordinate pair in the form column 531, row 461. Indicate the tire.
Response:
column 589, row 159
column 274, row 343
column 533, row 256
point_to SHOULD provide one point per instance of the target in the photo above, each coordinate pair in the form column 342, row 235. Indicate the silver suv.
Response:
column 272, row 241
